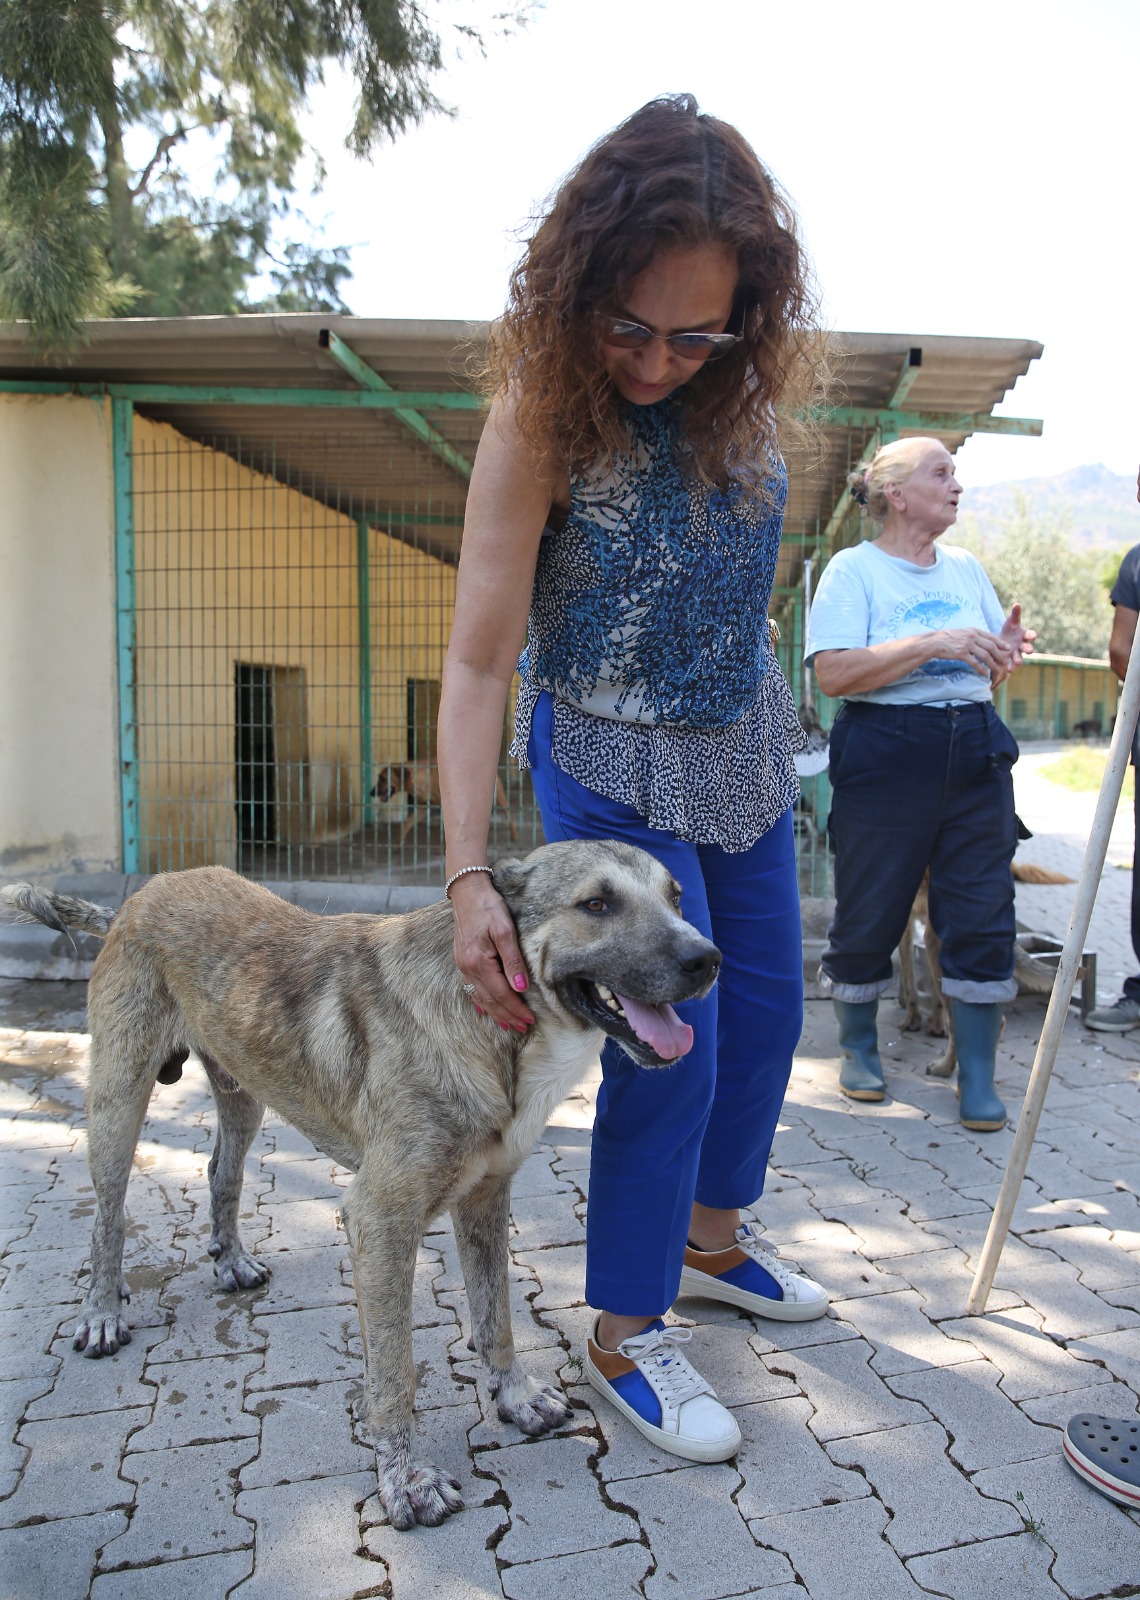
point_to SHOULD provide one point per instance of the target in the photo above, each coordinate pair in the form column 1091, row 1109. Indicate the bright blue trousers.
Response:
column 702, row 1129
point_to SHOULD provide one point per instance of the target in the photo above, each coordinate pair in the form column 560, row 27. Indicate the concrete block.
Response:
column 883, row 1228
column 537, row 1176
column 847, row 1397
column 27, row 1335
column 307, row 1540
column 293, row 1178
column 903, row 1337
column 1101, row 1263
column 56, row 1557
column 1117, row 1353
column 698, row 1537
column 73, row 1482
column 1030, row 1362
column 839, row 1550
column 197, row 1402
column 83, row 1386
column 1071, row 1311
column 560, row 1271
column 943, row 1278
column 1097, row 1542
column 783, row 1467
column 1107, row 1399
column 1016, row 1566
column 987, row 1429
column 455, row 1561
column 306, row 1432
column 933, row 1505
column 833, row 1256
column 314, row 1345
column 184, row 1504
column 204, row 1577
column 302, row 1280
column 204, row 1323
column 556, row 1503
column 47, row 1278
column 540, row 1221
column 618, row 1571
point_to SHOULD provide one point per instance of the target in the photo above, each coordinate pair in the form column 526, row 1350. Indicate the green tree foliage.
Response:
column 1063, row 592
column 111, row 109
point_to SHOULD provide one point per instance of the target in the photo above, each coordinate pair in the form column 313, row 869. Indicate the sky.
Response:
column 960, row 169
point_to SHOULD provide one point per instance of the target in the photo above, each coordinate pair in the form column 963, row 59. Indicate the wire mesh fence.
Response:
column 290, row 646
column 291, row 624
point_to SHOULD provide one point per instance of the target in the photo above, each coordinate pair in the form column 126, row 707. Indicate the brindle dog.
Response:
column 357, row 1030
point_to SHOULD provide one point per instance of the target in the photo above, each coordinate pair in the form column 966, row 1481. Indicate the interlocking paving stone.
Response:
column 306, row 1541
column 903, row 1337
column 204, row 1323
column 783, row 1466
column 1096, row 1541
column 544, row 1220
column 198, row 1401
column 314, row 1344
column 987, row 1429
column 933, row 1504
column 832, row 1256
column 184, row 1502
column 1030, row 1362
column 561, row 1273
column 943, row 1278
column 1071, row 1311
column 71, row 1477
column 1015, row 1566
column 301, row 1280
column 1107, row 1399
column 1100, row 1263
column 551, row 1514
column 305, row 1432
column 204, row 1577
column 16, row 1397
column 847, row 1396
column 615, row 1572
column 839, row 1550
column 54, row 1560
column 83, row 1386
column 297, row 1178
column 698, row 1537
column 49, row 1278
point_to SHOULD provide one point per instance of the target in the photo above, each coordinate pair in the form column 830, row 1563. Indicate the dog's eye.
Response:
column 675, row 897
column 595, row 906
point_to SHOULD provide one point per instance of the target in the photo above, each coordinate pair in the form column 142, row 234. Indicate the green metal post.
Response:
column 122, row 431
column 364, row 657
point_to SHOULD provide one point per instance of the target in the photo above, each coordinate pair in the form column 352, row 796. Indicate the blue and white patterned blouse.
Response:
column 648, row 627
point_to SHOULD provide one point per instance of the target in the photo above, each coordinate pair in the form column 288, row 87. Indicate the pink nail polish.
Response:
column 505, row 1027
column 479, row 1011
column 519, row 981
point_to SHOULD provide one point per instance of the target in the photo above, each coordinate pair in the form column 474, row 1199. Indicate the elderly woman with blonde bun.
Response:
column 911, row 636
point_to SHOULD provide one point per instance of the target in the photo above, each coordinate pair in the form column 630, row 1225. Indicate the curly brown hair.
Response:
column 669, row 177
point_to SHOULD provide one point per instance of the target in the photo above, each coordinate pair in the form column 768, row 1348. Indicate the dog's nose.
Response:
column 703, row 963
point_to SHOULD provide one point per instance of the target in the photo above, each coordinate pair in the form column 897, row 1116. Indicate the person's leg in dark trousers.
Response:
column 888, row 779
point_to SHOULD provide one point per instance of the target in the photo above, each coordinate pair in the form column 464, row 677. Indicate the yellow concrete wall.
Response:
column 1048, row 696
column 234, row 567
column 59, row 795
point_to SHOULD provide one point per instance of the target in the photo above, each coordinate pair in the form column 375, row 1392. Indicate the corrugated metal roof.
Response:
column 368, row 462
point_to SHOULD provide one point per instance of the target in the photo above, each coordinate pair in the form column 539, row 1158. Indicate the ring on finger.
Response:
column 468, row 988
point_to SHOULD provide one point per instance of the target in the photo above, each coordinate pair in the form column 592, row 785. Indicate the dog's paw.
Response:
column 101, row 1335
column 533, row 1407
column 413, row 1494
column 911, row 1022
column 239, row 1271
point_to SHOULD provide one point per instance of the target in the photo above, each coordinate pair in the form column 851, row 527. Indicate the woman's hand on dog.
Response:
column 487, row 952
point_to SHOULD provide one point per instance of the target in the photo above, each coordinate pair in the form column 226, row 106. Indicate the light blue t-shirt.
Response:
column 867, row 597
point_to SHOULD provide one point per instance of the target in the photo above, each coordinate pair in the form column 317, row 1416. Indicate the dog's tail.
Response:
column 1030, row 872
column 58, row 911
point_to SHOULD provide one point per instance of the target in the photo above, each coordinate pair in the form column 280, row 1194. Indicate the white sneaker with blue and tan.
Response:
column 750, row 1274
column 650, row 1382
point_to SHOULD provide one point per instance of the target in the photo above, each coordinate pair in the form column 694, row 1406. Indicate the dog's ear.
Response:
column 509, row 877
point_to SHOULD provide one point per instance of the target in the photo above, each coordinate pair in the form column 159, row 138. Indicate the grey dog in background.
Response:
column 357, row 1030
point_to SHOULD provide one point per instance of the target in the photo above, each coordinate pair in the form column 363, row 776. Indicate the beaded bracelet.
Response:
column 462, row 873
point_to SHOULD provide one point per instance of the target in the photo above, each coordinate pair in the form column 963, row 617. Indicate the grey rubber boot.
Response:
column 977, row 1030
column 861, row 1072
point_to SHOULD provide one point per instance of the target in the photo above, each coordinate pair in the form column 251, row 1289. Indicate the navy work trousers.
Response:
column 917, row 787
column 701, row 1129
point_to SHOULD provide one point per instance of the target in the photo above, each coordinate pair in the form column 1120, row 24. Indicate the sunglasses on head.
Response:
column 622, row 334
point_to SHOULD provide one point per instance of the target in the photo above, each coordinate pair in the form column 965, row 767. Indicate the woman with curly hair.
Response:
column 624, row 514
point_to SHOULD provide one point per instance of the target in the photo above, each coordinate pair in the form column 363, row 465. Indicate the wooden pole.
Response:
column 1047, row 1046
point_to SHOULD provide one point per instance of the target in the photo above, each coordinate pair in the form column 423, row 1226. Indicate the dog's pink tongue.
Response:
column 659, row 1027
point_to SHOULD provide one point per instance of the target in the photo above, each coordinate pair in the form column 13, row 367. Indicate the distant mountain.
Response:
column 1099, row 506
